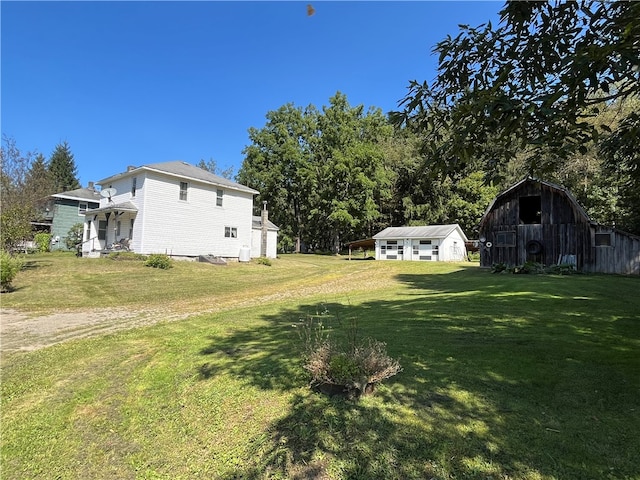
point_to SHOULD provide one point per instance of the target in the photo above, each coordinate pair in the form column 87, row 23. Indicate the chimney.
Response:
column 91, row 187
column 131, row 167
column 263, row 223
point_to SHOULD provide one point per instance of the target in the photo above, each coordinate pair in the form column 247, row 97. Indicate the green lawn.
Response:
column 505, row 376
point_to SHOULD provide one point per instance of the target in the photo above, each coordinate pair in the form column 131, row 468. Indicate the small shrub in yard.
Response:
column 158, row 260
column 43, row 242
column 263, row 261
column 9, row 268
column 351, row 368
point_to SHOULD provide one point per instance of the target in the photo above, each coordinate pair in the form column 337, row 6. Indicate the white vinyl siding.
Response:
column 168, row 225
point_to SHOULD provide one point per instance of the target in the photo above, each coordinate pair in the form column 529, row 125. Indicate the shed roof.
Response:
column 424, row 231
column 183, row 170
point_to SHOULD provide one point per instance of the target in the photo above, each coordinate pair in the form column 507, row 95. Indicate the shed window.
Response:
column 603, row 240
column 183, row 190
column 530, row 209
column 505, row 239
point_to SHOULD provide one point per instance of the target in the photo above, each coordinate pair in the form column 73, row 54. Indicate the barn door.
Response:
column 530, row 246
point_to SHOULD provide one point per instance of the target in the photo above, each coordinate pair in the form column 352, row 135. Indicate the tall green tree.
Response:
column 63, row 169
column 278, row 164
column 38, row 180
column 17, row 202
column 528, row 85
column 352, row 178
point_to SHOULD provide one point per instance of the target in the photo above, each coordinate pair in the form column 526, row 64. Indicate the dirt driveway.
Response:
column 22, row 332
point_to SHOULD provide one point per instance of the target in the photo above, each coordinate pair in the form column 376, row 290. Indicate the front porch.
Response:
column 108, row 229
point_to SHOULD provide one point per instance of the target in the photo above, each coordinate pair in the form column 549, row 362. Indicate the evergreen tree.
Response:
column 62, row 168
column 38, row 180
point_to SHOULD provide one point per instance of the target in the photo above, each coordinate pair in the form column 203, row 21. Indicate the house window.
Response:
column 183, row 190
column 505, row 239
column 82, row 208
column 118, row 228
column 219, row 195
column 425, row 257
column 230, row 232
column 425, row 242
column 102, row 229
column 435, row 250
column 530, row 209
column 131, row 229
column 603, row 240
column 134, row 182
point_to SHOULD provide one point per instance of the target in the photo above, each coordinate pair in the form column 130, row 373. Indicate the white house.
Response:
column 177, row 209
column 423, row 243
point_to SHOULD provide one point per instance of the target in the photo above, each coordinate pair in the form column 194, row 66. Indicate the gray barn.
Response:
column 542, row 222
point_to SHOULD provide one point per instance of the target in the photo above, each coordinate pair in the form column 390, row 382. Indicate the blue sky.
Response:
column 131, row 83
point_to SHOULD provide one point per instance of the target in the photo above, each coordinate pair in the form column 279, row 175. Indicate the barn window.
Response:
column 505, row 239
column 603, row 240
column 530, row 209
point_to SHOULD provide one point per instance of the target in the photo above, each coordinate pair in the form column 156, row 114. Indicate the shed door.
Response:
column 530, row 246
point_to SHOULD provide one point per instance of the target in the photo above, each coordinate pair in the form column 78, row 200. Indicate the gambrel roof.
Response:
column 424, row 231
column 570, row 198
column 182, row 170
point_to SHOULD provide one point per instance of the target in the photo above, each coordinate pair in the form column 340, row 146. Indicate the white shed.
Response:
column 433, row 243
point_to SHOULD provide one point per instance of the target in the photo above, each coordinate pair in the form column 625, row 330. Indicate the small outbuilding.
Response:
column 431, row 243
column 538, row 221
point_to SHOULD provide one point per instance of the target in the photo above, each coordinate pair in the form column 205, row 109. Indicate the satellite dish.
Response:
column 108, row 192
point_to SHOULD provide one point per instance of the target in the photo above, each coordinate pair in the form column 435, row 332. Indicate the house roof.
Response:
column 87, row 194
column 183, row 170
column 113, row 207
column 425, row 231
column 256, row 222
column 515, row 186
